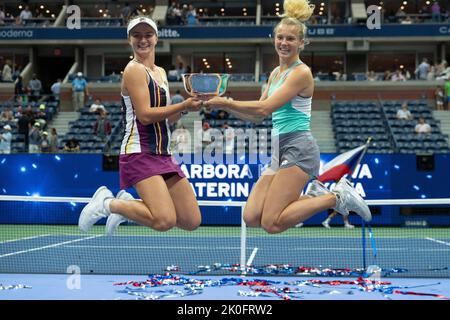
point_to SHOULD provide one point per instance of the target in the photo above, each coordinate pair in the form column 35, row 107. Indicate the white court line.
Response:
column 438, row 241
column 154, row 247
column 47, row 247
column 359, row 249
column 252, row 257
column 236, row 248
column 27, row 238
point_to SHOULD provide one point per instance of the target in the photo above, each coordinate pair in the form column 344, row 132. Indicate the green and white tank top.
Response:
column 295, row 115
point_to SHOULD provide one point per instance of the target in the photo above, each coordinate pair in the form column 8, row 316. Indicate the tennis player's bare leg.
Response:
column 186, row 205
column 283, row 208
column 156, row 210
column 255, row 202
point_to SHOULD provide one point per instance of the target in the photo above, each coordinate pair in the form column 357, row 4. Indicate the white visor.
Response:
column 139, row 20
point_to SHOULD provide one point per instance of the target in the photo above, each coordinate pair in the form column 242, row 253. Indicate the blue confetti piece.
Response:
column 381, row 187
column 396, row 166
column 429, row 176
column 3, row 160
column 34, row 166
column 377, row 161
column 58, row 158
column 416, row 187
column 423, row 196
column 23, row 169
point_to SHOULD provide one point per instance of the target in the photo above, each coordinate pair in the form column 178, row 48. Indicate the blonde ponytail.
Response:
column 296, row 12
column 298, row 9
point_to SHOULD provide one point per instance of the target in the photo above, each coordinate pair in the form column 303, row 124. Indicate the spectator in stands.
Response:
column 18, row 113
column 387, row 75
column 97, row 106
column 7, row 71
column 125, row 13
column 23, row 125
column 404, row 113
column 177, row 97
column 79, row 91
column 174, row 14
column 209, row 113
column 398, row 76
column 432, row 73
column 182, row 140
column 102, row 127
column 34, row 88
column 436, row 12
column 53, row 141
column 56, row 90
column 422, row 70
column 41, row 116
column 422, row 127
column 25, row 14
column 16, row 72
column 173, row 75
column 228, row 133
column 5, row 140
column 34, row 138
column 407, row 20
column 191, row 16
column 222, row 115
column 7, row 115
column 18, row 87
column 38, row 14
column 72, row 145
column 181, row 70
column 30, row 114
column 2, row 17
column 439, row 98
column 44, row 145
column 400, row 15
column 447, row 90
column 371, row 76
column 442, row 71
column 205, row 134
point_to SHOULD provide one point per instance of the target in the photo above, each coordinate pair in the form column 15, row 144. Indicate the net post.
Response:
column 243, row 242
column 363, row 229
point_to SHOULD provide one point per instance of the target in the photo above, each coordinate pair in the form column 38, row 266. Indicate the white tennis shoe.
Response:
column 115, row 219
column 316, row 189
column 95, row 209
column 348, row 199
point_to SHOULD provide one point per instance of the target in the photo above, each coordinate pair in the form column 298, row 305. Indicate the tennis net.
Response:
column 40, row 235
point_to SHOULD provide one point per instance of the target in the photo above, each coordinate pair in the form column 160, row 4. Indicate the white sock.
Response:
column 106, row 205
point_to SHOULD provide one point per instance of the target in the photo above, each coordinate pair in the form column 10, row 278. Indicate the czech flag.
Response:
column 342, row 164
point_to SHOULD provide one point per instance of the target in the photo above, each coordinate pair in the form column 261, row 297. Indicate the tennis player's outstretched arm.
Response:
column 299, row 82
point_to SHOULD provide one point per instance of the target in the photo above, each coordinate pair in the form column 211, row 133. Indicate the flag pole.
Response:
column 363, row 226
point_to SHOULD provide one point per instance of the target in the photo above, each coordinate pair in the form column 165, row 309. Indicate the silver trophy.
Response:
column 205, row 84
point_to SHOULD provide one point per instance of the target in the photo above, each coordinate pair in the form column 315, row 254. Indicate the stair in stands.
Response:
column 444, row 117
column 61, row 122
column 322, row 130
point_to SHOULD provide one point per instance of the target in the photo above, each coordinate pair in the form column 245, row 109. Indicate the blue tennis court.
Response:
column 41, row 262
